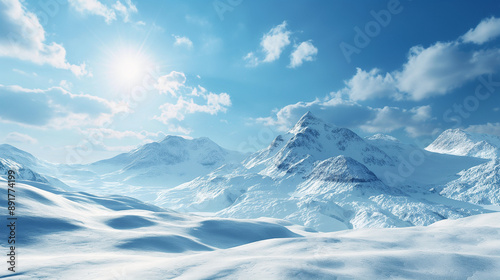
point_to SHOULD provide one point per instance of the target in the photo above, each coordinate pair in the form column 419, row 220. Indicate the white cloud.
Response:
column 189, row 100
column 442, row 67
column 183, row 41
column 275, row 41
column 95, row 7
column 54, row 107
column 305, row 51
column 436, row 70
column 25, row 39
column 125, row 10
column 171, row 83
column 272, row 45
column 19, row 138
column 415, row 122
column 488, row 29
column 365, row 85
column 214, row 103
column 489, row 128
column 179, row 129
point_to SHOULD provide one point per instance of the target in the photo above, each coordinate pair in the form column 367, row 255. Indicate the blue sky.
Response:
column 82, row 80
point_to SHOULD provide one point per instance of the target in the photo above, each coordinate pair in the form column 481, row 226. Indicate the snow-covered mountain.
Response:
column 140, row 173
column 328, row 178
column 150, row 168
column 69, row 235
column 311, row 140
column 172, row 151
column 12, row 153
column 27, row 166
column 462, row 143
column 168, row 163
column 22, row 173
column 479, row 184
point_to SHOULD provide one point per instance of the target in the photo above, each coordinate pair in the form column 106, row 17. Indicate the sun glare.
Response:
column 127, row 68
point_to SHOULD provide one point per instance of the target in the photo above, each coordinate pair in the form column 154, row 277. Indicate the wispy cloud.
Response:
column 95, row 7
column 19, row 138
column 183, row 41
column 488, row 29
column 125, row 10
column 54, row 107
column 171, row 83
column 26, row 39
column 488, row 128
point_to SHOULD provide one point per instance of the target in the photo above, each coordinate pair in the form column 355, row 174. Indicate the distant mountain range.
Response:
column 328, row 178
column 318, row 175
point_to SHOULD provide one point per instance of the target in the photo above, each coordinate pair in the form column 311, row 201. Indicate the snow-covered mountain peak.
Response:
column 308, row 122
column 167, row 163
column 173, row 150
column 462, row 143
column 313, row 140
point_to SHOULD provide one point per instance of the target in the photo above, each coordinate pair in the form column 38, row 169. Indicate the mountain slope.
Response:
column 462, row 143
column 417, row 167
column 479, row 184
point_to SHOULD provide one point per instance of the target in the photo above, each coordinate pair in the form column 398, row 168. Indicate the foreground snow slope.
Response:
column 63, row 235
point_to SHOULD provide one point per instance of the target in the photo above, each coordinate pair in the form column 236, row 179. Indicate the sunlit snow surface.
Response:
column 63, row 235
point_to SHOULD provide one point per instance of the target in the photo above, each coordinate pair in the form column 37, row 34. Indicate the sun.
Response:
column 127, row 68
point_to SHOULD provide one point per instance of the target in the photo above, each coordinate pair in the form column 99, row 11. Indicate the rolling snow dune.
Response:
column 64, row 235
